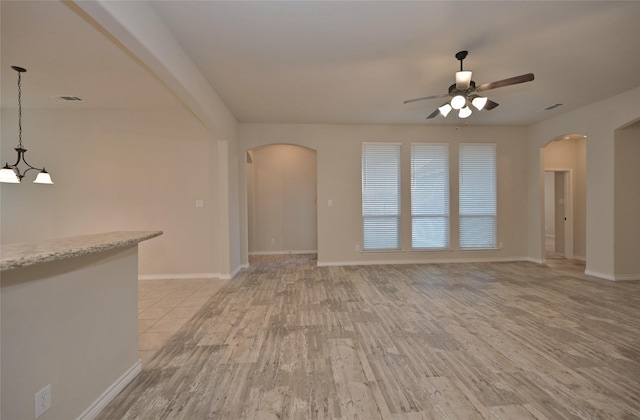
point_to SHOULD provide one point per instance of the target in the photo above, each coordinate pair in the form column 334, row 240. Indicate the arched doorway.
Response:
column 281, row 200
column 564, row 211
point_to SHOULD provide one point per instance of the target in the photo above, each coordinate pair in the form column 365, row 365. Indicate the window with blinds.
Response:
column 429, row 196
column 477, row 190
column 381, row 196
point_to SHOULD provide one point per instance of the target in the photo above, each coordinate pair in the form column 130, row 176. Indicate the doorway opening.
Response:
column 564, row 186
column 558, row 214
column 281, row 200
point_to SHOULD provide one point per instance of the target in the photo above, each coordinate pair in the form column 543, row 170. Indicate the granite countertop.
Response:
column 26, row 254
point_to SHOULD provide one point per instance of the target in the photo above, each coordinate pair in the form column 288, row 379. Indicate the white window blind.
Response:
column 381, row 196
column 429, row 196
column 477, row 196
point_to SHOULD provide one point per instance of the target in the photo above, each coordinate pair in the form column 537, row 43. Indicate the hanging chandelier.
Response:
column 11, row 173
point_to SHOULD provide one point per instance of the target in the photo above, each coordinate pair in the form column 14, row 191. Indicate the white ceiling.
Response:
column 339, row 62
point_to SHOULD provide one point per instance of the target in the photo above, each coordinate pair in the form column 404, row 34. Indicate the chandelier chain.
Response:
column 19, row 110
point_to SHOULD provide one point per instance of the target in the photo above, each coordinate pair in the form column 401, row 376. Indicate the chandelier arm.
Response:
column 15, row 165
column 21, row 152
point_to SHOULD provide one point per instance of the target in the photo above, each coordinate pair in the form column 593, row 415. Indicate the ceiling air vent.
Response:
column 550, row 107
column 69, row 98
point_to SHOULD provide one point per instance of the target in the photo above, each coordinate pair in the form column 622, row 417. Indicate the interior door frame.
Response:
column 568, row 209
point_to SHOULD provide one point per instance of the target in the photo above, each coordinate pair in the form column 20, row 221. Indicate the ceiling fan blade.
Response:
column 409, row 101
column 490, row 105
column 506, row 82
column 434, row 114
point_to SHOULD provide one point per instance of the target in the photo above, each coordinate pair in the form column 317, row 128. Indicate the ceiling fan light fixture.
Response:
column 464, row 112
column 479, row 102
column 458, row 102
column 464, row 96
column 463, row 80
column 445, row 109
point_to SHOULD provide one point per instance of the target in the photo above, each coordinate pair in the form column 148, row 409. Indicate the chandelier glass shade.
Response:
column 11, row 173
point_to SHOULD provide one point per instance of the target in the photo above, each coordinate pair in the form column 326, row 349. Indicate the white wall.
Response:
column 140, row 31
column 119, row 170
column 339, row 149
column 598, row 123
column 281, row 199
column 627, row 203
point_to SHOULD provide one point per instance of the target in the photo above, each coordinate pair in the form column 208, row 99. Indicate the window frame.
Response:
column 381, row 217
column 446, row 191
column 463, row 217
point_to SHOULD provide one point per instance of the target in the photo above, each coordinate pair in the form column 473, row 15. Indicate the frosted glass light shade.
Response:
column 463, row 80
column 445, row 109
column 9, row 176
column 479, row 102
column 458, row 102
column 43, row 178
column 464, row 112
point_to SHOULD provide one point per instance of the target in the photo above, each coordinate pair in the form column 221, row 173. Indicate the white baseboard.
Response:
column 233, row 273
column 423, row 261
column 613, row 277
column 193, row 276
column 186, row 276
column 599, row 275
column 628, row 277
column 111, row 392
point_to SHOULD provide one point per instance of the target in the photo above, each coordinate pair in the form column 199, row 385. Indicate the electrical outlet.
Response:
column 273, row 240
column 43, row 400
column 357, row 248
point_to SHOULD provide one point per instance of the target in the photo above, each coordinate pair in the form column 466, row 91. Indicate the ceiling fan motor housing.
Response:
column 453, row 91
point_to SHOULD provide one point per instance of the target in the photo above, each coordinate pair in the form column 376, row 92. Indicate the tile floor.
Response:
column 165, row 305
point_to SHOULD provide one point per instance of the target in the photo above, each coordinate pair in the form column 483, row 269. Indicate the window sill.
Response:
column 382, row 251
column 431, row 250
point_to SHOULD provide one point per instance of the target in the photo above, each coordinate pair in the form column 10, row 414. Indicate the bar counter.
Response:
column 26, row 254
column 69, row 321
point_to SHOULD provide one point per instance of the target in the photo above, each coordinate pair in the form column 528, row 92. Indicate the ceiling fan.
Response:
column 464, row 91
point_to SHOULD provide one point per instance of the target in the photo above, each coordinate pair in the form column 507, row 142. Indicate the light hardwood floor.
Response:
column 289, row 340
